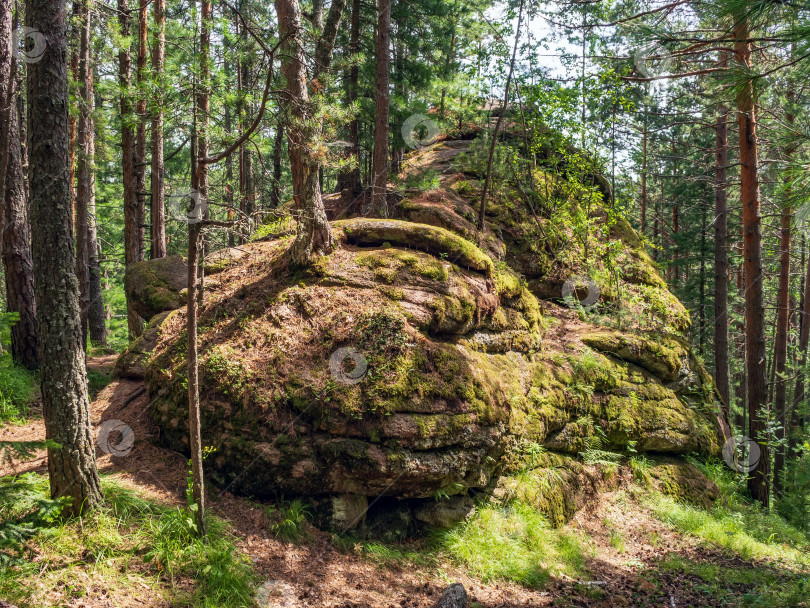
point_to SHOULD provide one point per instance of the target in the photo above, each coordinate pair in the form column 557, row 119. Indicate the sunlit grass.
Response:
column 130, row 545
column 18, row 386
column 742, row 529
column 514, row 543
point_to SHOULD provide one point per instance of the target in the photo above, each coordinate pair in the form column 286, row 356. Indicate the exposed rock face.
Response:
column 413, row 363
column 156, row 286
column 454, row 596
column 683, row 481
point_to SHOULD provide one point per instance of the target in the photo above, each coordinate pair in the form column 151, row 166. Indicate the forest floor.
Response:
column 627, row 555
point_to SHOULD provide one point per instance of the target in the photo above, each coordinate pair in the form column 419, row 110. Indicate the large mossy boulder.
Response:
column 420, row 360
column 155, row 286
column 388, row 369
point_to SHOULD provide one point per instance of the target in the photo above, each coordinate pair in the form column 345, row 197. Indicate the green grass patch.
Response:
column 724, row 584
column 388, row 554
column 129, row 546
column 96, row 381
column 738, row 527
column 514, row 543
column 18, row 387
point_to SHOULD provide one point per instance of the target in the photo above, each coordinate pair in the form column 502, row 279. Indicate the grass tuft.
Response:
column 130, row 545
column 18, row 387
column 289, row 520
column 514, row 543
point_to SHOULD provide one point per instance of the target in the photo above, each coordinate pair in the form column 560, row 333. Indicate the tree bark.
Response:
column 141, row 78
column 245, row 158
column 314, row 236
column 326, row 41
column 200, row 184
column 379, row 181
column 317, row 14
column 721, row 320
column 675, row 245
column 133, row 224
column 783, row 325
column 799, row 391
column 194, row 423
column 72, row 466
column 17, row 262
column 229, row 191
column 278, row 145
column 84, row 168
column 158, row 208
column 349, row 180
column 755, row 356
column 780, row 346
column 644, row 178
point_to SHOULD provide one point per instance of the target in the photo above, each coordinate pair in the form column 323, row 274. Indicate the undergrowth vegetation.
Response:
column 514, row 543
column 735, row 523
column 130, row 546
column 17, row 389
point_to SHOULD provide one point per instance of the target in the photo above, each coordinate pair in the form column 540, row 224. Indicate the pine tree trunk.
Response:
column 379, row 181
column 755, row 356
column 314, row 235
column 84, row 165
column 794, row 425
column 73, row 45
column 133, row 228
column 644, row 178
column 158, row 209
column 278, row 147
column 71, row 467
column 229, row 192
column 194, row 424
column 17, row 262
column 721, row 320
column 676, row 269
column 780, row 347
column 245, row 161
column 349, row 180
column 86, row 185
column 200, row 184
column 317, row 14
column 140, row 118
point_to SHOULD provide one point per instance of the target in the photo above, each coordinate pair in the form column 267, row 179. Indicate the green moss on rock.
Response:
column 438, row 241
column 684, row 482
column 155, row 286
